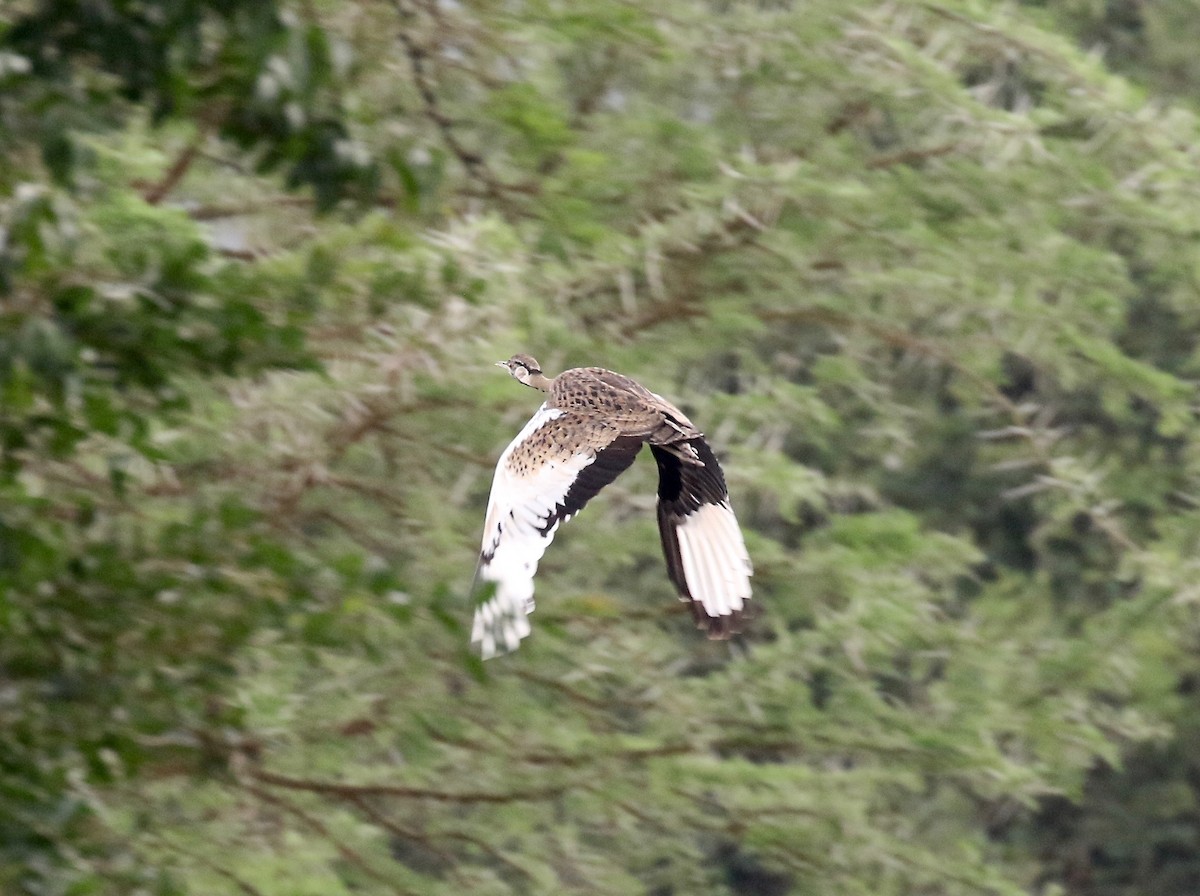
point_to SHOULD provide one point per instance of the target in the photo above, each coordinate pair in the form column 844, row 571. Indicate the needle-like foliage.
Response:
column 927, row 272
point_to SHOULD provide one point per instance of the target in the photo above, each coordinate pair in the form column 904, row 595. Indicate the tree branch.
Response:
column 156, row 193
column 348, row 853
column 474, row 163
column 357, row 791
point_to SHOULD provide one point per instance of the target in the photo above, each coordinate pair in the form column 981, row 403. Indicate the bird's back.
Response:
column 616, row 399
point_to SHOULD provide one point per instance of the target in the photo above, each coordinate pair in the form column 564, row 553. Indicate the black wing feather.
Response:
column 682, row 489
column 610, row 462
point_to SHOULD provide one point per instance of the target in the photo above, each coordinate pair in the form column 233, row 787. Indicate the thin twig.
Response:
column 893, row 337
column 308, row 819
column 474, row 163
column 355, row 791
column 245, row 886
column 912, row 156
column 427, row 840
column 156, row 193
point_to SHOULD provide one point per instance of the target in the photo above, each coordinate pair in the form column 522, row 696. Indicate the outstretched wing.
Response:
column 554, row 466
column 706, row 555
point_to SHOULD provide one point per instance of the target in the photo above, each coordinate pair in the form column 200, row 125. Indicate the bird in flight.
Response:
column 586, row 433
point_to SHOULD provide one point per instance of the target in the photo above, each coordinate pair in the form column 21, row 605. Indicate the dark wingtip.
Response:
column 718, row 628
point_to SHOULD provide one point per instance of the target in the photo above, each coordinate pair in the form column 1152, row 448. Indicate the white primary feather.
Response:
column 518, row 509
column 715, row 561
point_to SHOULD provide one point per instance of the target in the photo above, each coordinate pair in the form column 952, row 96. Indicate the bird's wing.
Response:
column 706, row 555
column 554, row 466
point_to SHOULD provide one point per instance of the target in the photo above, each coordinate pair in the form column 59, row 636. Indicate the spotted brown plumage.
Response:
column 586, row 433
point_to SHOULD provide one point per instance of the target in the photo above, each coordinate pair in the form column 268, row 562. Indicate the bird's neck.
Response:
column 539, row 381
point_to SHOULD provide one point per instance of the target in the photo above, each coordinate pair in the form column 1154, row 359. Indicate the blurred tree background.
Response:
column 928, row 274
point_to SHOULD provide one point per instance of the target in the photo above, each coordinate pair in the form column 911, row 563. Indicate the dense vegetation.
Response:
column 927, row 274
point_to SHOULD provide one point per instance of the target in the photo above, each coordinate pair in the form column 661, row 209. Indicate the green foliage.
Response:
column 261, row 78
column 925, row 274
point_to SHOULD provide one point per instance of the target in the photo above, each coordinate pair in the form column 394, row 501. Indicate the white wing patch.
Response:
column 515, row 536
column 715, row 562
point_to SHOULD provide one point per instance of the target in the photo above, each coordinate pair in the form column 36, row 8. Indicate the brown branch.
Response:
column 489, row 850
column 244, row 886
column 635, row 755
column 570, row 692
column 365, row 488
column 649, row 820
column 739, row 818
column 738, row 229
column 357, row 791
column 893, row 337
column 662, row 313
column 287, row 516
column 568, row 760
column 463, row 742
column 347, row 852
column 156, row 193
column 906, row 341
column 474, row 33
column 216, row 211
column 994, row 33
column 631, row 810
column 472, row 161
column 477, row 460
column 913, row 156
column 231, row 164
column 240, row 254
column 364, row 806
column 429, row 840
column 372, row 419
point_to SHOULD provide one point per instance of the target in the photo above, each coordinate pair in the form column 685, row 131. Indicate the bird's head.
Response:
column 524, row 369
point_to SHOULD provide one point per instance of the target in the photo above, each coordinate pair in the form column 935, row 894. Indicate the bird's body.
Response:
column 588, row 431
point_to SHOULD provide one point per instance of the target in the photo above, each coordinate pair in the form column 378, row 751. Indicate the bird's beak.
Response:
column 502, row 364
